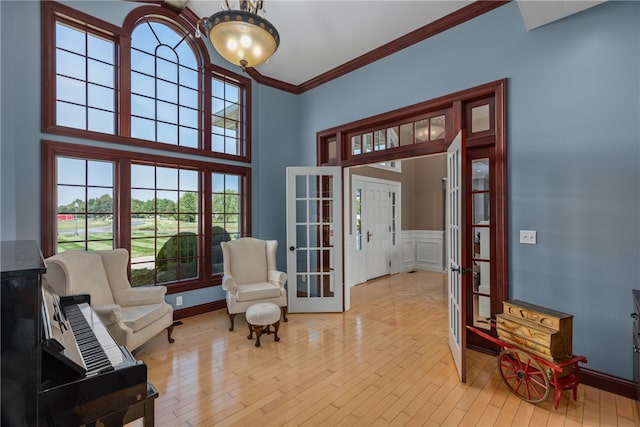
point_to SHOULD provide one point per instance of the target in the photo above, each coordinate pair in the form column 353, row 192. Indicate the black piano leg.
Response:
column 113, row 420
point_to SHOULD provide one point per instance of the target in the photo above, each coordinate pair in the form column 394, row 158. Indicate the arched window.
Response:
column 149, row 84
column 165, row 84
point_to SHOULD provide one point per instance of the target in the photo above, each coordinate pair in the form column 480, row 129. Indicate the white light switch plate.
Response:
column 528, row 237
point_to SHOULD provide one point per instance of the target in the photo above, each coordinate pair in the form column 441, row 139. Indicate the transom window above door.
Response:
column 431, row 127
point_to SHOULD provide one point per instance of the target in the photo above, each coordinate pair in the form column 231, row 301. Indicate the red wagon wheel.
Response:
column 524, row 376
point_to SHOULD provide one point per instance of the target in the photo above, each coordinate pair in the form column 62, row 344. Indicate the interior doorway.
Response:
column 429, row 128
column 404, row 208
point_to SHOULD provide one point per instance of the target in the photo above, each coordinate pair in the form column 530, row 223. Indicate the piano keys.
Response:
column 100, row 379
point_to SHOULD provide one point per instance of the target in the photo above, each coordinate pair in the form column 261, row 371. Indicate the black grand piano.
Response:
column 59, row 365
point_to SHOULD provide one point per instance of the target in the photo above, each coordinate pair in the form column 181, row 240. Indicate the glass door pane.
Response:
column 481, row 254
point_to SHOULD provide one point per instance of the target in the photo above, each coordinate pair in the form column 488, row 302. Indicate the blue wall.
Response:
column 573, row 151
column 573, row 147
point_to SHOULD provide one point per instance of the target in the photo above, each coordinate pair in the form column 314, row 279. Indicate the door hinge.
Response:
column 389, row 263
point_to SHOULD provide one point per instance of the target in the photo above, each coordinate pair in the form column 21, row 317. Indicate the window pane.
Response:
column 71, row 171
column 406, row 134
column 100, row 121
column 167, row 91
column 367, row 142
column 100, row 200
column 71, row 90
column 392, row 137
column 188, row 77
column 480, row 118
column 356, row 145
column 167, row 178
column 166, row 70
column 101, row 97
column 380, row 140
column 143, row 106
column 142, row 176
column 100, row 173
column 70, row 64
column 481, row 244
column 143, row 84
column 70, row 38
column 167, row 133
column 100, row 73
column 143, row 62
column 167, row 112
column 188, row 137
column 100, row 49
column 480, row 171
column 72, row 116
column 189, row 117
column 421, row 130
column 481, row 208
column 188, row 97
column 143, row 128
column 437, row 127
column 186, row 56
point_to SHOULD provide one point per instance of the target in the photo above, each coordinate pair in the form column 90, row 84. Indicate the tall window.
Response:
column 85, row 80
column 165, row 217
column 85, row 208
column 164, row 86
column 226, row 121
column 145, row 85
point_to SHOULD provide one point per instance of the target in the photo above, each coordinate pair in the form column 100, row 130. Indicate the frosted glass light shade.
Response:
column 242, row 38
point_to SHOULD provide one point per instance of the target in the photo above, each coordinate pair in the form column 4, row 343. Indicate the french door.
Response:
column 314, row 239
column 454, row 255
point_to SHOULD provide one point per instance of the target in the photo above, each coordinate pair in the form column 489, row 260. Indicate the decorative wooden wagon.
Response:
column 535, row 351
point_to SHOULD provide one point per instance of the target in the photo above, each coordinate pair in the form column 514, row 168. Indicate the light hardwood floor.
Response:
column 384, row 362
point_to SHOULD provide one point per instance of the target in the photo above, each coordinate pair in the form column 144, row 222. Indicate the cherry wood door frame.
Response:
column 494, row 141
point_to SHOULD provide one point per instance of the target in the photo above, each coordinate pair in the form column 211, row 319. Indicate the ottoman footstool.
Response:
column 259, row 317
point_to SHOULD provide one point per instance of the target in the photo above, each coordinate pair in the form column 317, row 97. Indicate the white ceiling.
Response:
column 319, row 35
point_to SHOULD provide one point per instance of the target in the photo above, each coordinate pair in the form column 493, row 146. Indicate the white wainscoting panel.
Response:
column 422, row 250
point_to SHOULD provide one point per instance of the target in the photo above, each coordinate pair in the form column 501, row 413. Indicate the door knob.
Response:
column 634, row 315
column 293, row 248
column 455, row 269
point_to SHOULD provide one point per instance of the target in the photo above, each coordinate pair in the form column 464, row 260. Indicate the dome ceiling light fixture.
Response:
column 242, row 37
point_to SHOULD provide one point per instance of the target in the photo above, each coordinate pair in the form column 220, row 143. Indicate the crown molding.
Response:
column 453, row 19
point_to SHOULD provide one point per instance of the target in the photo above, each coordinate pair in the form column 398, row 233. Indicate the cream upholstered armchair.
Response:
column 250, row 275
column 132, row 315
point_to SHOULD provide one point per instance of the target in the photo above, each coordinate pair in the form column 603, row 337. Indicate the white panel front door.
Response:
column 376, row 223
column 454, row 254
column 314, row 239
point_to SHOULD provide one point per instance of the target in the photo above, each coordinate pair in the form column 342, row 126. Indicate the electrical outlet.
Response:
column 528, row 237
column 178, row 301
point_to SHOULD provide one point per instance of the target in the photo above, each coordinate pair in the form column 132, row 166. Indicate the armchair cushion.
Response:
column 257, row 291
column 141, row 316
